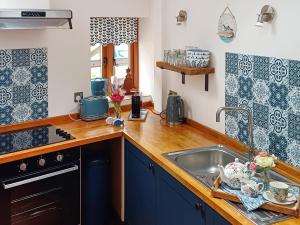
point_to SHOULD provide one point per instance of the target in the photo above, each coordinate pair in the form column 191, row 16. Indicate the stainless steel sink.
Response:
column 203, row 161
column 202, row 164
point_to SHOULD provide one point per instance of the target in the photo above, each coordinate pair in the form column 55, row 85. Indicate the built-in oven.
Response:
column 42, row 190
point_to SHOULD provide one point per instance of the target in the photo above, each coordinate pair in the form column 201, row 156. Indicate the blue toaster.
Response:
column 94, row 108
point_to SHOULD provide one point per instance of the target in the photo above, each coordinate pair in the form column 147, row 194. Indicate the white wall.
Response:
column 150, row 43
column 146, row 54
column 24, row 4
column 68, row 50
column 281, row 39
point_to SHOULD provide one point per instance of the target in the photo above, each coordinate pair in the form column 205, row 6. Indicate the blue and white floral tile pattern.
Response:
column 23, row 85
column 270, row 87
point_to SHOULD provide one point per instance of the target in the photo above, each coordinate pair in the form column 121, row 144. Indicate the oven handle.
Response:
column 42, row 177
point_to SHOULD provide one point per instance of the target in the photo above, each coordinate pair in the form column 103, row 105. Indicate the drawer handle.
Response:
column 198, row 206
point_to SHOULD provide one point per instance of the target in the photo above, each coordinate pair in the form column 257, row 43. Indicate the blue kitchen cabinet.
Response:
column 213, row 218
column 154, row 197
column 140, row 187
column 176, row 205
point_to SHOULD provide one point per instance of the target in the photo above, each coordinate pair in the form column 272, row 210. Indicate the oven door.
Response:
column 51, row 197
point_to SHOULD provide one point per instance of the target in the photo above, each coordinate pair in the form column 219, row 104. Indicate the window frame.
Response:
column 108, row 62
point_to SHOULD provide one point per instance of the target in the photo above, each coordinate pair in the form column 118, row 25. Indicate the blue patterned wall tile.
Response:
column 294, row 127
column 232, row 127
column 294, row 100
column 21, row 76
column 278, row 146
column 22, row 113
column 270, row 88
column 39, row 74
column 20, row 58
column 21, row 94
column 39, row 110
column 23, row 85
column 232, row 63
column 5, row 58
column 232, row 102
column 261, row 67
column 6, row 77
column 39, row 92
column 245, row 88
column 279, row 96
column 6, row 115
column 278, row 120
column 5, row 96
column 232, row 84
column 279, row 70
column 294, row 73
column 261, row 138
column 243, row 134
column 261, row 92
column 244, row 103
column 245, row 65
column 294, row 153
column 38, row 57
column 261, row 115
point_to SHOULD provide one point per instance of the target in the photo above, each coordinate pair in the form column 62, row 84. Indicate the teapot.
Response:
column 234, row 173
column 252, row 187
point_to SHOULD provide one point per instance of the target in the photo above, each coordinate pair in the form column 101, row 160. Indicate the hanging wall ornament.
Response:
column 227, row 27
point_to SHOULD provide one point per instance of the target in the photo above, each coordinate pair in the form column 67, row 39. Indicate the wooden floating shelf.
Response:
column 184, row 70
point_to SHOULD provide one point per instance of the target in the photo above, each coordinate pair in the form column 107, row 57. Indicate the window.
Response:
column 114, row 60
column 109, row 53
column 121, row 60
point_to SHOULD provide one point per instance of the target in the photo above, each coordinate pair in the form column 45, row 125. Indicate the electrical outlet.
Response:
column 78, row 96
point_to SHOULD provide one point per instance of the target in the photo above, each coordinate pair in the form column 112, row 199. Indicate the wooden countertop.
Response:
column 154, row 138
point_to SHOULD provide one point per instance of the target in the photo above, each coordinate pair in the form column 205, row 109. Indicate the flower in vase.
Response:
column 263, row 154
column 253, row 166
column 264, row 160
column 117, row 96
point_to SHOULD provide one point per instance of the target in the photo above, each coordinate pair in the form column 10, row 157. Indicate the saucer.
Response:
column 289, row 200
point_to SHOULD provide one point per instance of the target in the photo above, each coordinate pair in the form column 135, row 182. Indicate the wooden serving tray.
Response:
column 293, row 209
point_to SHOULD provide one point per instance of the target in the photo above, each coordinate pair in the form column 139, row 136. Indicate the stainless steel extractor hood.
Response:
column 35, row 19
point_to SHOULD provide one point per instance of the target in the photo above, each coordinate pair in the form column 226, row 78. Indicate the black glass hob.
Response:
column 19, row 140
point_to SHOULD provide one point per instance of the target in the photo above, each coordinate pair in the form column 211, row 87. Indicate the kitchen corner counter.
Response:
column 152, row 137
column 84, row 133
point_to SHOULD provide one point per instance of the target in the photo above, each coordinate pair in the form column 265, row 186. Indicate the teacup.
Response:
column 252, row 187
column 279, row 191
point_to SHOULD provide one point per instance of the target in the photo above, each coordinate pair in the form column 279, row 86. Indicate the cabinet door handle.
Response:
column 198, row 206
column 151, row 166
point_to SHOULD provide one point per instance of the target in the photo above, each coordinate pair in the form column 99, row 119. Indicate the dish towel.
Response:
column 253, row 203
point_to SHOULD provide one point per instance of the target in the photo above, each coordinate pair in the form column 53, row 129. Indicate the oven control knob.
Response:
column 60, row 157
column 42, row 162
column 23, row 167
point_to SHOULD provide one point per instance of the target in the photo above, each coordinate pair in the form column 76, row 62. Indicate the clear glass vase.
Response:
column 118, row 110
column 117, row 114
column 265, row 177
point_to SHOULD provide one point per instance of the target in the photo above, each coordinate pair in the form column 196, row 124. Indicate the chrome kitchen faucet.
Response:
column 250, row 126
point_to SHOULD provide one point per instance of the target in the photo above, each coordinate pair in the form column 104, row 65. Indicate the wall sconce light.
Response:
column 182, row 17
column 267, row 14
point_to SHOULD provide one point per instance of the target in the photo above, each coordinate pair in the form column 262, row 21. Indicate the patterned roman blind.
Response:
column 113, row 30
